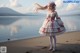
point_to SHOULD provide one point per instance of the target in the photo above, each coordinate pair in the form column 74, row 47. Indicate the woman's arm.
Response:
column 57, row 17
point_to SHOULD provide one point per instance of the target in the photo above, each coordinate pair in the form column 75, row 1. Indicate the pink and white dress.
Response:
column 52, row 24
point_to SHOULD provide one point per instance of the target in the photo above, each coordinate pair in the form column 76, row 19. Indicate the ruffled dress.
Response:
column 52, row 25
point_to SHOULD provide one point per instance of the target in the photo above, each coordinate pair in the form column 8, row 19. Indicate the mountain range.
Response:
column 5, row 11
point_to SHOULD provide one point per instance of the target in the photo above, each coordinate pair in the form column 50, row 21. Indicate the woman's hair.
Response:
column 51, row 6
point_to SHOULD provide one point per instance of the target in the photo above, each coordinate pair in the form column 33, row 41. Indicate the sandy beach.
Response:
column 66, row 43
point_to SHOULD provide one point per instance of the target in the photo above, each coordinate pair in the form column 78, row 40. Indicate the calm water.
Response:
column 23, row 27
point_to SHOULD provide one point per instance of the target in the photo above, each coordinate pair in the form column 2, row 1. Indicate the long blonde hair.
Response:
column 51, row 6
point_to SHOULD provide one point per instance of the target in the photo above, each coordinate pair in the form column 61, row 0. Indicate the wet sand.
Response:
column 66, row 43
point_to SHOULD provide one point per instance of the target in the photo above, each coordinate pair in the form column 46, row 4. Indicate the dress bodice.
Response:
column 52, row 15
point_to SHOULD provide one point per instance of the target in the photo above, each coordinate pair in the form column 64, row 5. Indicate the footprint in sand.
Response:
column 78, row 40
column 43, row 47
column 67, row 41
column 73, row 52
column 28, row 51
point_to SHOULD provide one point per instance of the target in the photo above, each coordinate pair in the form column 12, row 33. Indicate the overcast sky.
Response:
column 28, row 5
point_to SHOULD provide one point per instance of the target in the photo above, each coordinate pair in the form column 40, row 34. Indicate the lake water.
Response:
column 23, row 27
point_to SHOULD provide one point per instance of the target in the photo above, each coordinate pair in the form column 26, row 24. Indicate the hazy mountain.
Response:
column 5, row 11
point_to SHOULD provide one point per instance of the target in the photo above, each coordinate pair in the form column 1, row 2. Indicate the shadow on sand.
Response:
column 61, row 48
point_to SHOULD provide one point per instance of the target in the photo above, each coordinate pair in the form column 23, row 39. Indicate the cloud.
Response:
column 2, row 5
column 59, row 3
column 14, row 3
column 11, row 3
column 72, row 6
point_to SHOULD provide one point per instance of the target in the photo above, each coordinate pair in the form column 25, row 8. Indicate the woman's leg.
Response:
column 54, row 45
column 51, row 43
